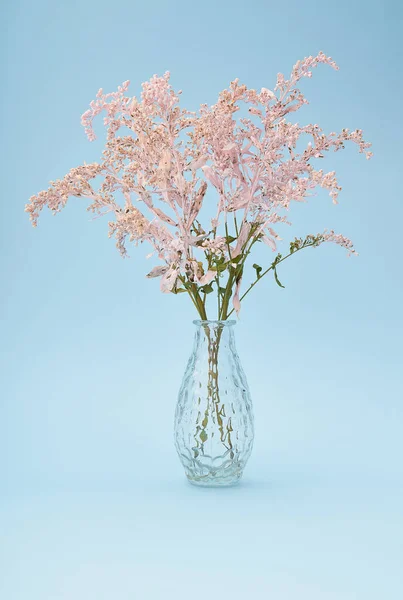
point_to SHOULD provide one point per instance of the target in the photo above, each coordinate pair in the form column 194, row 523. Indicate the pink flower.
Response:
column 269, row 241
column 242, row 239
column 212, row 177
column 168, row 280
column 157, row 271
column 197, row 163
column 207, row 278
column 159, row 160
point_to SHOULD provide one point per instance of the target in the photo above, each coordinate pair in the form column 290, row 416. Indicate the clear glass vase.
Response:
column 214, row 419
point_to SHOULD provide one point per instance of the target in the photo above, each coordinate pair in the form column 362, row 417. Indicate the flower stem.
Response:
column 236, row 225
column 195, row 297
column 199, row 303
column 270, row 269
column 227, row 295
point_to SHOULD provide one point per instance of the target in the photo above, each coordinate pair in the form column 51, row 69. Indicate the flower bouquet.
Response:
column 202, row 189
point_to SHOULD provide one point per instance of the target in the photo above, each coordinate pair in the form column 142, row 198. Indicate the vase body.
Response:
column 214, row 419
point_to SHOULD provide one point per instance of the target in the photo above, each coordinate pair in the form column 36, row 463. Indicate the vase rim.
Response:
column 215, row 323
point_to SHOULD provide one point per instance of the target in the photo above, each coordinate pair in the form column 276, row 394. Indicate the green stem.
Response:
column 234, row 273
column 228, row 288
column 226, row 233
column 269, row 269
column 197, row 301
column 227, row 295
column 236, row 225
column 217, row 280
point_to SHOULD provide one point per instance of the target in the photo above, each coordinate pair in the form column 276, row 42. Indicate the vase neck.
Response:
column 215, row 335
column 215, row 325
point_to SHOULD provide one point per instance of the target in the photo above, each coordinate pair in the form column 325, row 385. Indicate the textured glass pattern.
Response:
column 214, row 419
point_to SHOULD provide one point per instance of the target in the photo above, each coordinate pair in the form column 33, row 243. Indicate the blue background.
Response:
column 93, row 503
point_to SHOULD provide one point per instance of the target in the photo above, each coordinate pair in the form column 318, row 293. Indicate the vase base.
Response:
column 212, row 481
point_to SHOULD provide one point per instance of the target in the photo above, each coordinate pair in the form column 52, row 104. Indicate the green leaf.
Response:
column 236, row 259
column 230, row 239
column 219, row 267
column 179, row 291
column 277, row 279
column 222, row 290
column 207, row 289
column 203, row 436
column 258, row 270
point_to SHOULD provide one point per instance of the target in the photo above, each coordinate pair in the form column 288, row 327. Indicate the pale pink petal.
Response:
column 194, row 240
column 264, row 92
column 157, row 271
column 163, row 216
column 235, row 299
column 269, row 241
column 197, row 163
column 197, row 202
column 168, row 280
column 212, row 177
column 209, row 276
column 242, row 239
column 229, row 147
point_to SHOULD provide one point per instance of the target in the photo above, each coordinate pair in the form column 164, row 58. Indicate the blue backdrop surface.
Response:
column 93, row 502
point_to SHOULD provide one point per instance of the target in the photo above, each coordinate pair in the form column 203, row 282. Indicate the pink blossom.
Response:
column 159, row 160
column 157, row 271
column 168, row 280
column 212, row 177
column 269, row 241
column 207, row 278
column 197, row 163
column 242, row 240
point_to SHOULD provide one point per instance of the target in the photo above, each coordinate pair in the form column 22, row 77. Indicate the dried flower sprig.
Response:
column 166, row 159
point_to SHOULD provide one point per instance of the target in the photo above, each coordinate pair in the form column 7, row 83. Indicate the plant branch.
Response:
column 272, row 267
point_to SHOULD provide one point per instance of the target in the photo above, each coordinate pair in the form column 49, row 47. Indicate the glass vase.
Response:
column 214, row 419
